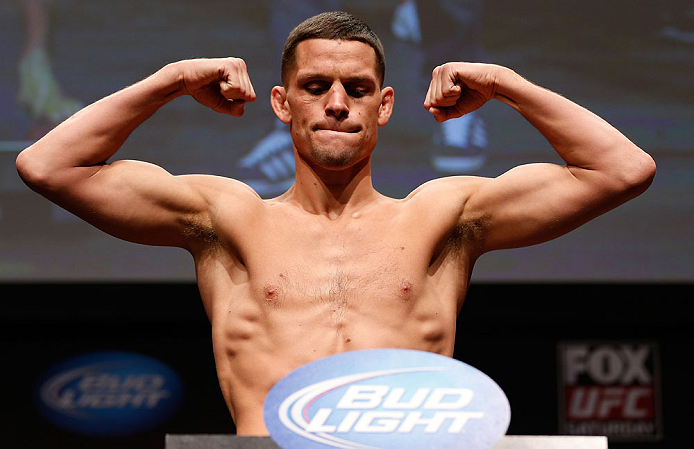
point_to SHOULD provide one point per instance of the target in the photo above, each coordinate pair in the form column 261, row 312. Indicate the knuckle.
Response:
column 237, row 62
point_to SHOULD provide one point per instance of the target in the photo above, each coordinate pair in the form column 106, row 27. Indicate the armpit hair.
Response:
column 194, row 230
column 467, row 233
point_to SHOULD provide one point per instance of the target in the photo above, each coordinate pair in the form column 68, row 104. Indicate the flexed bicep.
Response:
column 135, row 201
column 132, row 200
column 537, row 202
column 534, row 203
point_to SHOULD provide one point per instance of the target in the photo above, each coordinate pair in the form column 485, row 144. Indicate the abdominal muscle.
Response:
column 266, row 330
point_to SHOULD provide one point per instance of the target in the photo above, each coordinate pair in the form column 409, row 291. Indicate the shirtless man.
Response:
column 331, row 265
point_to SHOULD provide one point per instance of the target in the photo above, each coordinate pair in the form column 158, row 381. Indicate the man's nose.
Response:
column 337, row 102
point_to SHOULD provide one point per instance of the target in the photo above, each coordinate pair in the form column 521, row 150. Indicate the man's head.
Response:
column 332, row 95
column 336, row 25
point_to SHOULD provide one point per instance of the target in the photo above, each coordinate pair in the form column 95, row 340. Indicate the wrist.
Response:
column 509, row 85
column 170, row 81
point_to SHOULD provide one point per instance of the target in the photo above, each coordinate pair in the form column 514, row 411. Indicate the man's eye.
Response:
column 357, row 93
column 315, row 89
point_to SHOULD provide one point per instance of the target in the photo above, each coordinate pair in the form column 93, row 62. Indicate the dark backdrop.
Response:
column 509, row 331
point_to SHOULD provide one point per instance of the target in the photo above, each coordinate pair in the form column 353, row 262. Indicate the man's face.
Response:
column 334, row 102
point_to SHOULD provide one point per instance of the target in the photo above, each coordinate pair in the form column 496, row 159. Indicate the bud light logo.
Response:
column 108, row 393
column 386, row 398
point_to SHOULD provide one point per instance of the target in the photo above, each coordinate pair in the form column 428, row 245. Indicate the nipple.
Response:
column 270, row 292
column 405, row 287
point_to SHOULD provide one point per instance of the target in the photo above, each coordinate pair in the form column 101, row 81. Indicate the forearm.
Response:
column 91, row 136
column 583, row 139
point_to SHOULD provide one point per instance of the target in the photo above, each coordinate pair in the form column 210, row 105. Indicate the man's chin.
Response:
column 330, row 159
column 334, row 162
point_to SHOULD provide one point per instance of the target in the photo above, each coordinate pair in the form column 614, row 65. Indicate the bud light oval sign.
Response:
column 386, row 398
column 108, row 393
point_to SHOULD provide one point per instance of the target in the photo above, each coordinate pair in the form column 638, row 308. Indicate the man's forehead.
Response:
column 315, row 55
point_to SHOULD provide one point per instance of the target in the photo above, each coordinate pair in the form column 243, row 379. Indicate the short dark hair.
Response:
column 335, row 25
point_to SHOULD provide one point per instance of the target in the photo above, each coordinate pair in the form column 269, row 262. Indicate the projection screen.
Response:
column 630, row 62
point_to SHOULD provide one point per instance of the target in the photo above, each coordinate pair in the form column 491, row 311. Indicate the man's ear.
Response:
column 386, row 108
column 278, row 100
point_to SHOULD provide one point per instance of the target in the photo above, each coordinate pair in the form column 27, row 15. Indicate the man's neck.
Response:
column 332, row 192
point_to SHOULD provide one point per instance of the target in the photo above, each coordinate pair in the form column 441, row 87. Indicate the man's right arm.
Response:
column 131, row 200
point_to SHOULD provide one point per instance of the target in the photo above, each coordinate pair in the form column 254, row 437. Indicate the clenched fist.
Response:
column 222, row 84
column 457, row 88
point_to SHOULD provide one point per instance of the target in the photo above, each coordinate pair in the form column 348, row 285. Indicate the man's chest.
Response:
column 332, row 262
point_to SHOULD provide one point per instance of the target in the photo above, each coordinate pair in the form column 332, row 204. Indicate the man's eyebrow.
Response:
column 303, row 77
column 354, row 79
column 361, row 80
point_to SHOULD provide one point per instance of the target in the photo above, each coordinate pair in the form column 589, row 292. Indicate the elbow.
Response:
column 33, row 171
column 638, row 173
column 644, row 173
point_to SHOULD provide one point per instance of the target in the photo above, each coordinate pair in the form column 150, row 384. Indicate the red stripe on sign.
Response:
column 635, row 402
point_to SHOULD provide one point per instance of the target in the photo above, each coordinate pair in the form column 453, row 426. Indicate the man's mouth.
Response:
column 338, row 129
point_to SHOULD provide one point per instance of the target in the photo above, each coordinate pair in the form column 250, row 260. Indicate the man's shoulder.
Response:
column 442, row 202
column 453, row 187
column 216, row 188
column 231, row 208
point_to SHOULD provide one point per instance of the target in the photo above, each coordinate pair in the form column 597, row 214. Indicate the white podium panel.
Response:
column 507, row 442
column 218, row 442
column 551, row 442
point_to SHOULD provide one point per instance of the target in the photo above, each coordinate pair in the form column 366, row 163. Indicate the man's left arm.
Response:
column 537, row 202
